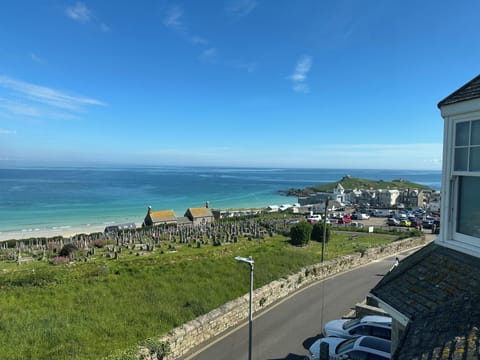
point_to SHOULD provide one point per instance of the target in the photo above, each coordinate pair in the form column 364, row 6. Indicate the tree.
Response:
column 300, row 233
column 317, row 232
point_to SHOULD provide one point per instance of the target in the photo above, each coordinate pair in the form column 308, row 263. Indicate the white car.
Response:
column 314, row 218
column 372, row 325
column 362, row 348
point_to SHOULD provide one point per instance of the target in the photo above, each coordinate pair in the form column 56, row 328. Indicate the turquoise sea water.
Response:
column 51, row 201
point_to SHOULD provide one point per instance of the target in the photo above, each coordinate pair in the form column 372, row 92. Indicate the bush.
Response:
column 317, row 232
column 68, row 250
column 160, row 349
column 300, row 233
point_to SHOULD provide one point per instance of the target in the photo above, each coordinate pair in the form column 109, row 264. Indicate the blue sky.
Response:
column 311, row 83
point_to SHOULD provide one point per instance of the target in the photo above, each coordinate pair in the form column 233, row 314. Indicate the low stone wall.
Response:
column 190, row 335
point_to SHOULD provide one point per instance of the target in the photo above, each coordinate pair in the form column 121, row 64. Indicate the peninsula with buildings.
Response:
column 350, row 191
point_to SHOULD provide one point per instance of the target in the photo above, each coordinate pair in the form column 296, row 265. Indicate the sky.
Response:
column 247, row 83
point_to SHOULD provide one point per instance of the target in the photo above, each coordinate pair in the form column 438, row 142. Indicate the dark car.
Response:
column 415, row 222
column 427, row 224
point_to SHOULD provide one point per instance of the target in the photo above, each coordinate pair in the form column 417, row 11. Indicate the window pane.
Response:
column 475, row 159
column 468, row 216
column 461, row 133
column 461, row 158
column 475, row 133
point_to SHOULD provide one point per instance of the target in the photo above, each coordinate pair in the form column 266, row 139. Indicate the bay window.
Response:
column 466, row 171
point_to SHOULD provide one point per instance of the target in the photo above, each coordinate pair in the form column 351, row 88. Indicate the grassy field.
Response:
column 90, row 310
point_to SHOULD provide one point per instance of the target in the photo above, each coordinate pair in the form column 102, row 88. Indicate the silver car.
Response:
column 371, row 325
column 364, row 348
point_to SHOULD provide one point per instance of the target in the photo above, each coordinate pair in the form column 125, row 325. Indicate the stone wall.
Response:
column 190, row 335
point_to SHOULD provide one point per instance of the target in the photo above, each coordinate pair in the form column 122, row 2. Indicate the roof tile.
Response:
column 469, row 91
column 438, row 290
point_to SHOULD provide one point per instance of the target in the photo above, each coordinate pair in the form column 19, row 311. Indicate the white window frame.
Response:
column 455, row 188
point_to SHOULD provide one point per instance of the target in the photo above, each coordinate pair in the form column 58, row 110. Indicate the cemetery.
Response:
column 90, row 296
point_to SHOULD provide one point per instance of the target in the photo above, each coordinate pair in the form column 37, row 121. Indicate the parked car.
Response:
column 373, row 325
column 364, row 347
column 405, row 222
column 357, row 224
column 415, row 222
column 345, row 219
column 393, row 222
column 427, row 224
column 312, row 219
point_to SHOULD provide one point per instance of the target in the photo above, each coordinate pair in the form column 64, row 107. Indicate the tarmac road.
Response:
column 286, row 330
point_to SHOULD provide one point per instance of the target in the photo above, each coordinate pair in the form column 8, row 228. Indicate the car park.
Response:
column 364, row 347
column 373, row 325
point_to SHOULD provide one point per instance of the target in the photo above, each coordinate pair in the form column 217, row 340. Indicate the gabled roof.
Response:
column 162, row 216
column 435, row 285
column 200, row 212
column 469, row 91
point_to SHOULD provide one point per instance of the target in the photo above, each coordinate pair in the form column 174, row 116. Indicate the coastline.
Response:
column 64, row 231
column 47, row 202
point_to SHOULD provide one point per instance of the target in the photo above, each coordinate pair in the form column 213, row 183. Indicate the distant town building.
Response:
column 387, row 198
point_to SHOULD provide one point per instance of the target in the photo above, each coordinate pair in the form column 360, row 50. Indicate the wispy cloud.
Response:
column 299, row 76
column 82, row 14
column 19, row 108
column 248, row 66
column 241, row 8
column 209, row 55
column 32, row 100
column 79, row 12
column 7, row 132
column 174, row 18
column 36, row 58
column 198, row 40
column 105, row 28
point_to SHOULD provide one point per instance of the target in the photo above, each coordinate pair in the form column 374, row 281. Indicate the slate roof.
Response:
column 469, row 91
column 438, row 289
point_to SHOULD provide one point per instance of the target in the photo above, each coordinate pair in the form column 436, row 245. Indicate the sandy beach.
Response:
column 65, row 231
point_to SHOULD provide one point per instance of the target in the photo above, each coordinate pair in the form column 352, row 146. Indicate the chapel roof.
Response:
column 163, row 215
column 200, row 212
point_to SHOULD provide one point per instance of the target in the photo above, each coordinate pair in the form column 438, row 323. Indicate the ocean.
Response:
column 38, row 202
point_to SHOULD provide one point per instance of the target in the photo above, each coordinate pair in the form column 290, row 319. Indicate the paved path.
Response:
column 285, row 331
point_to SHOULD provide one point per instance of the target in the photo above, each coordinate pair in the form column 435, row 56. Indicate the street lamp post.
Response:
column 325, row 226
column 250, row 262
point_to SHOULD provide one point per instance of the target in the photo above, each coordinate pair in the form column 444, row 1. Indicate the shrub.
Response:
column 317, row 232
column 158, row 348
column 300, row 233
column 68, row 250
